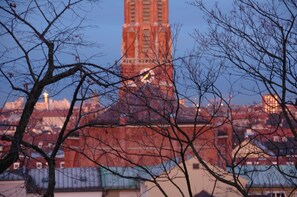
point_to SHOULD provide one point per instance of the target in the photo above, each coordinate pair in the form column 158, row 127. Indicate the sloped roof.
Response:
column 260, row 144
column 129, row 177
column 249, row 146
column 15, row 175
column 147, row 105
column 268, row 176
column 113, row 181
column 69, row 179
column 283, row 148
column 272, row 148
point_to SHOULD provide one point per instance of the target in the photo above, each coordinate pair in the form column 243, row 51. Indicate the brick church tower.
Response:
column 146, row 46
column 141, row 127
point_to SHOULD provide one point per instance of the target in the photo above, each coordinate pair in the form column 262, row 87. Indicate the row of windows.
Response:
column 274, row 162
column 132, row 11
column 146, row 7
column 146, row 10
column 38, row 165
column 147, row 39
column 278, row 139
column 277, row 194
column 49, row 145
column 160, row 11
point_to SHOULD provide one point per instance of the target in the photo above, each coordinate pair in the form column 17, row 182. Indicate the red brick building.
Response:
column 148, row 125
column 142, row 131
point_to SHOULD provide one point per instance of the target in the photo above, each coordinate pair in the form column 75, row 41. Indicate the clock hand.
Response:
column 146, row 75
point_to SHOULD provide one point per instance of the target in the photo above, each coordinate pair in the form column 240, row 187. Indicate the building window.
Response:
column 38, row 165
column 16, row 165
column 62, row 164
column 40, row 144
column 196, row 166
column 270, row 103
column 50, row 145
column 146, row 40
column 132, row 11
column 278, row 194
column 160, row 11
column 284, row 139
column 276, row 138
column 146, row 11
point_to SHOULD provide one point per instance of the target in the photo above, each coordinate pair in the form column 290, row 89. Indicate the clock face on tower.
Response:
column 147, row 75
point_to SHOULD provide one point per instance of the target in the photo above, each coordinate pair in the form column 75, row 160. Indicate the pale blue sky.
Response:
column 106, row 21
column 107, row 16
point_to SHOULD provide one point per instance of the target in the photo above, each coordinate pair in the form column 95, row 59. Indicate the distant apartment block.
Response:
column 46, row 104
column 270, row 104
column 15, row 105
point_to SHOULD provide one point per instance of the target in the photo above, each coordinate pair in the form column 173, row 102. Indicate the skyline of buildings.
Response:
column 183, row 146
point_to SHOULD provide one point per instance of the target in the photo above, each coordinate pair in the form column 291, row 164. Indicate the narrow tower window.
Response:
column 146, row 10
column 146, row 40
column 132, row 11
column 160, row 11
